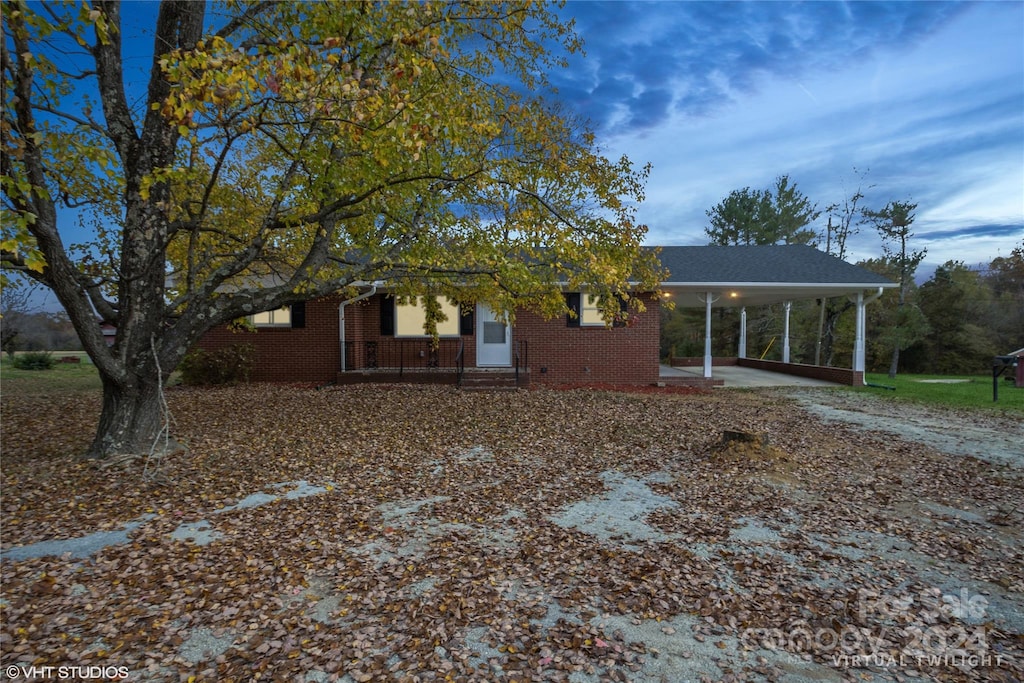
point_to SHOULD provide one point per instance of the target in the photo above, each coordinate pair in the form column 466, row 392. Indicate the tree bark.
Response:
column 131, row 418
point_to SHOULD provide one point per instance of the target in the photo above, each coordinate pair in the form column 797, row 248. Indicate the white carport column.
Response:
column 861, row 323
column 858, row 336
column 787, row 306
column 708, row 300
column 743, row 332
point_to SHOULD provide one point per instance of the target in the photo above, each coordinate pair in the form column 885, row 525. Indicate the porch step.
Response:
column 489, row 381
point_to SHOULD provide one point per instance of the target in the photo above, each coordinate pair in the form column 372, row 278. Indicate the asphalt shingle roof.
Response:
column 793, row 263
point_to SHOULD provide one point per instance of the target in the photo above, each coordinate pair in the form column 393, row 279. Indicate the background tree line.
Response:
column 950, row 324
column 24, row 327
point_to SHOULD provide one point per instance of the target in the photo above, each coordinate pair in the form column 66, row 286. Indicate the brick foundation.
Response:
column 698, row 361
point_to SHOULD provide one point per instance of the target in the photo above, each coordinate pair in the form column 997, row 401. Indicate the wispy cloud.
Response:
column 703, row 56
column 721, row 95
column 1008, row 231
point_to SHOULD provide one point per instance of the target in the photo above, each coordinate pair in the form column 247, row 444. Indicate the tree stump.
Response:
column 745, row 438
column 745, row 446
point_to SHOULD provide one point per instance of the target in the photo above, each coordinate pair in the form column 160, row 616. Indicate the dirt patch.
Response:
column 572, row 535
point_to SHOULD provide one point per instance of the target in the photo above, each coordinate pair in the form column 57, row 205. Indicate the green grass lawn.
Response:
column 970, row 391
column 78, row 377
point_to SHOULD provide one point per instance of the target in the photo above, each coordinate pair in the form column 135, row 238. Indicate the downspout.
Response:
column 787, row 306
column 341, row 319
column 743, row 332
column 874, row 296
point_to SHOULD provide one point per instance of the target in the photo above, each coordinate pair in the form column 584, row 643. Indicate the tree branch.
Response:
column 110, row 83
column 59, row 274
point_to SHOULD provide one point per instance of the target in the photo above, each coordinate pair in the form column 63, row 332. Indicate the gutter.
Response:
column 341, row 319
column 740, row 284
column 867, row 299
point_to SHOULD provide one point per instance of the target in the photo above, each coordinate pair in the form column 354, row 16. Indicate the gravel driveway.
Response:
column 994, row 438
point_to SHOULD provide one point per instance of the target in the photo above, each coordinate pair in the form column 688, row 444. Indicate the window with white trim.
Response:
column 590, row 311
column 279, row 317
column 411, row 317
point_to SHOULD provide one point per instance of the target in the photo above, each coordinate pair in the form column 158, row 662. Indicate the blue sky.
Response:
column 927, row 98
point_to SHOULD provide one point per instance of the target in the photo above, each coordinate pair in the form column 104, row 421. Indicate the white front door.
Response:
column 493, row 340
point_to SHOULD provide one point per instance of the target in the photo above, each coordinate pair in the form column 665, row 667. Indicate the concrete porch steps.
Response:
column 474, row 379
column 491, row 380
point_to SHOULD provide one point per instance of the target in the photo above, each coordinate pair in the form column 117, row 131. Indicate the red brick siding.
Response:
column 622, row 355
column 284, row 354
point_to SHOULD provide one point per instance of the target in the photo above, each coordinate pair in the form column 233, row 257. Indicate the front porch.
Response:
column 426, row 361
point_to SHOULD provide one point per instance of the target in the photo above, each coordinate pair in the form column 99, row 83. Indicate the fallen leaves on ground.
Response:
column 431, row 554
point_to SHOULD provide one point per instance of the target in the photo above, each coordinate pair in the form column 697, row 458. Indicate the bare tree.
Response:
column 844, row 219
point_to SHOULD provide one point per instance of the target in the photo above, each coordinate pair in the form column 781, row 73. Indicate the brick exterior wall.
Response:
column 559, row 354
column 555, row 353
column 408, row 350
column 284, row 354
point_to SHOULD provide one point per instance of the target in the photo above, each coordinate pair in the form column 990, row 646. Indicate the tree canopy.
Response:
column 281, row 151
column 778, row 215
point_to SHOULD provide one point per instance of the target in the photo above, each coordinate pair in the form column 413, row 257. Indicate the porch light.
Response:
column 734, row 295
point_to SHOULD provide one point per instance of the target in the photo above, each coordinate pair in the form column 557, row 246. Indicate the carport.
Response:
column 740, row 377
column 754, row 275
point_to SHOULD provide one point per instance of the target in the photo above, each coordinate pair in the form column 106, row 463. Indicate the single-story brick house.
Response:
column 374, row 337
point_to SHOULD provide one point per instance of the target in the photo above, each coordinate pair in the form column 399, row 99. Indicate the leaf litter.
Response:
column 427, row 534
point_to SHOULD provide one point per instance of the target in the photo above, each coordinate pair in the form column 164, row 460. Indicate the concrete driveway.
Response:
column 736, row 376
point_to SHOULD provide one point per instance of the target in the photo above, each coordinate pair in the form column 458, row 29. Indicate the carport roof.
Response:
column 753, row 275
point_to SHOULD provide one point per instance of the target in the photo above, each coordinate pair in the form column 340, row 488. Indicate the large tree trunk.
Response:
column 894, row 365
column 131, row 419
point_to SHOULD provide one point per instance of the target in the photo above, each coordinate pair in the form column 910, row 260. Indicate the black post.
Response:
column 996, row 371
column 999, row 364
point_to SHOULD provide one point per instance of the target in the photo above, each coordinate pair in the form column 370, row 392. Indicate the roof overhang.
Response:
column 736, row 294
